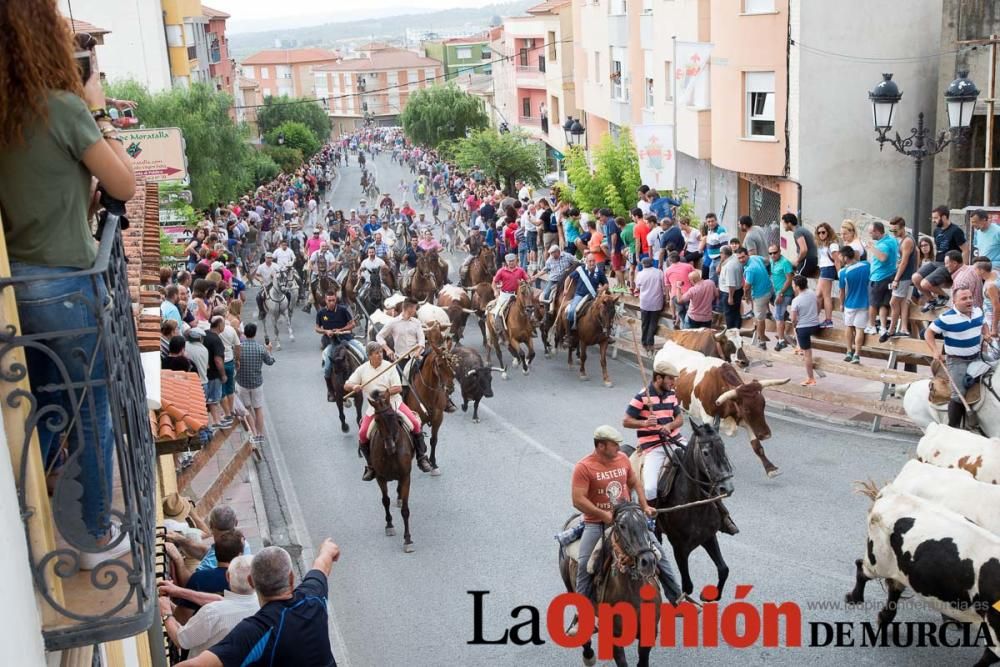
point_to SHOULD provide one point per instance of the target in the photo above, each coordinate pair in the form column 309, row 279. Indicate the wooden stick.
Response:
column 392, row 365
column 667, row 510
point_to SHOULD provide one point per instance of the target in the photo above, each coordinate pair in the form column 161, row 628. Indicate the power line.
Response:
column 872, row 59
column 343, row 96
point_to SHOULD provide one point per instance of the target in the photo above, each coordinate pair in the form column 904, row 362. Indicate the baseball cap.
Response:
column 665, row 367
column 510, row 256
column 269, row 254
column 605, row 432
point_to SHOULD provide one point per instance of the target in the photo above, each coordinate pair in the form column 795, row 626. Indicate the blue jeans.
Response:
column 548, row 289
column 585, row 580
column 63, row 314
column 571, row 310
column 522, row 256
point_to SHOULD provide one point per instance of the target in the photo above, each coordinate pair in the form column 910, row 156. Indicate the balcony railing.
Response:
column 529, row 121
column 78, row 429
column 528, row 69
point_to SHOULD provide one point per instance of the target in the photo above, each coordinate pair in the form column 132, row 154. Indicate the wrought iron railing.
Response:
column 80, row 399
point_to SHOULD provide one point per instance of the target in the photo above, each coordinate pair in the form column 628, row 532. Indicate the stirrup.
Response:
column 424, row 464
column 368, row 475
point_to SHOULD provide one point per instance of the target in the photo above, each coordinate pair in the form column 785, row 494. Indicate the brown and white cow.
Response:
column 948, row 447
column 712, row 390
column 726, row 344
column 458, row 304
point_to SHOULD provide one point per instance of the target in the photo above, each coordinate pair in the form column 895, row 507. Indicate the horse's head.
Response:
column 526, row 298
column 631, row 541
column 706, row 460
column 606, row 306
column 380, row 401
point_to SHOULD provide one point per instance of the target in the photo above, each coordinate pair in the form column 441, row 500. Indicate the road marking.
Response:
column 528, row 439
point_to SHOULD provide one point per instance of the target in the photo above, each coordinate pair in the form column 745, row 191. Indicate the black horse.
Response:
column 626, row 564
column 344, row 363
column 371, row 294
column 703, row 471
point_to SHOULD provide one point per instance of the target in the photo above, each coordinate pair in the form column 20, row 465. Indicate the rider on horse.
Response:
column 284, row 256
column 587, row 279
column 335, row 323
column 377, row 375
column 505, row 284
column 597, row 479
column 656, row 415
column 474, row 243
column 557, row 267
column 407, row 333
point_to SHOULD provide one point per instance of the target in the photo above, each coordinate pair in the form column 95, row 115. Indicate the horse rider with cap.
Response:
column 376, row 374
column 506, row 282
column 557, row 267
column 335, row 324
column 598, row 479
column 588, row 279
column 407, row 333
column 474, row 243
column 656, row 415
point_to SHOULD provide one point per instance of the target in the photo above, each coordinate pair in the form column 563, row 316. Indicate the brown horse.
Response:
column 423, row 284
column 482, row 268
column 593, row 327
column 429, row 391
column 550, row 313
column 392, row 459
column 437, row 266
column 518, row 329
column 482, row 294
column 627, row 564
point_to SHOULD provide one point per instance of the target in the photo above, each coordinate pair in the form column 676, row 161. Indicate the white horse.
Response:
column 281, row 294
column 922, row 412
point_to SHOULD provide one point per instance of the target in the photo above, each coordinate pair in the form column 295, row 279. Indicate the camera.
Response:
column 110, row 207
column 85, row 44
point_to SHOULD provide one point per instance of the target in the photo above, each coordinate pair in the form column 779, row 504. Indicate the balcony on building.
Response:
column 77, row 392
column 618, row 23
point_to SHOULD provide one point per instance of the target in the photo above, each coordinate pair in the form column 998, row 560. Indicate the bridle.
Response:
column 708, row 488
column 624, row 561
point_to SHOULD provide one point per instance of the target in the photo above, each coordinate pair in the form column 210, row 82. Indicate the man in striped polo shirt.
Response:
column 963, row 328
column 656, row 415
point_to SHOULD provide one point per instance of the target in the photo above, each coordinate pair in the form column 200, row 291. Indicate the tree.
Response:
column 219, row 158
column 504, row 157
column 287, row 159
column 294, row 135
column 439, row 113
column 278, row 110
column 613, row 182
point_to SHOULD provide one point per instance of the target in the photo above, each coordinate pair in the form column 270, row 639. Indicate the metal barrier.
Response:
column 71, row 377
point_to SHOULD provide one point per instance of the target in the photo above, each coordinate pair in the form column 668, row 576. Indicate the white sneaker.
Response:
column 870, row 329
column 90, row 561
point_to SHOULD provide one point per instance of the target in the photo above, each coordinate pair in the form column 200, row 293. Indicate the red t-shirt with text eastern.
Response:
column 598, row 475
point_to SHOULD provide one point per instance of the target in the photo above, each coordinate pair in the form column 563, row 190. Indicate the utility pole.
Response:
column 991, row 94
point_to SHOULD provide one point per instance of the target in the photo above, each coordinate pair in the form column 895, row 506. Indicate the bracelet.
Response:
column 99, row 113
column 166, row 616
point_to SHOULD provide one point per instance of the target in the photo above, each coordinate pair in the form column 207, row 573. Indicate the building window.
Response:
column 486, row 54
column 175, row 36
column 668, row 73
column 283, row 72
column 248, row 71
column 758, row 6
column 650, row 92
column 759, row 103
column 523, row 57
column 429, row 75
column 551, row 39
column 647, row 6
column 597, row 66
column 412, row 76
column 264, row 74
column 188, row 34
column 618, row 7
column 463, row 53
column 618, row 91
column 526, row 107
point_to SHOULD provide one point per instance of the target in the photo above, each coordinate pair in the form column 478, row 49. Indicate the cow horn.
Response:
column 774, row 382
column 729, row 395
column 468, row 311
column 721, row 336
column 470, row 373
column 498, row 370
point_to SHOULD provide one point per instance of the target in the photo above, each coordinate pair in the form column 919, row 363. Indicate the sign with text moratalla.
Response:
column 691, row 74
column 655, row 144
column 157, row 153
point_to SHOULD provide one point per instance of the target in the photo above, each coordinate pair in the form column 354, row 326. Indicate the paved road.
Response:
column 488, row 522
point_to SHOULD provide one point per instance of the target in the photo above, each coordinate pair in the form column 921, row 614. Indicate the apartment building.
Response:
column 134, row 47
column 784, row 123
column 220, row 65
column 533, row 73
column 186, row 28
column 459, row 56
column 374, row 87
column 287, row 71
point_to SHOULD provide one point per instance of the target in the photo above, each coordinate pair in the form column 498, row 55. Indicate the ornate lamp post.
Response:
column 574, row 131
column 960, row 100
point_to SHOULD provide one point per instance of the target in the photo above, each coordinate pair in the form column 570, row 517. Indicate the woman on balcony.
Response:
column 56, row 143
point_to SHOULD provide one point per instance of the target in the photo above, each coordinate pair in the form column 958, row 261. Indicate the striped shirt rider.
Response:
column 664, row 408
column 962, row 333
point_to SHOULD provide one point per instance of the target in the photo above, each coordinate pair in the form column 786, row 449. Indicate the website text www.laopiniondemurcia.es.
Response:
column 737, row 624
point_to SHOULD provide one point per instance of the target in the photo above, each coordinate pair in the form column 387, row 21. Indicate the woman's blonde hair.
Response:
column 848, row 225
column 36, row 57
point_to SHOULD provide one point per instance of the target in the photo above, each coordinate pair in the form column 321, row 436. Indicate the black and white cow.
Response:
column 943, row 557
column 475, row 378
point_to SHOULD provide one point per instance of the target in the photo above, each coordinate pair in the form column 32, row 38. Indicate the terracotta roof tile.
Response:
column 76, row 25
column 182, row 400
column 290, row 56
column 546, row 7
column 214, row 13
column 387, row 59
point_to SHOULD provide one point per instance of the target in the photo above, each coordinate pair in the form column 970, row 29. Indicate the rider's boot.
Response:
column 728, row 526
column 956, row 411
column 369, row 473
column 329, row 388
column 421, row 447
column 451, row 406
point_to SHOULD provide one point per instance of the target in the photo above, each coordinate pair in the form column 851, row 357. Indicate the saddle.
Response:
column 574, row 529
column 403, row 424
column 668, row 473
column 939, row 393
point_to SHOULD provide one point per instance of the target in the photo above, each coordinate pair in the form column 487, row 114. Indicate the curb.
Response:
column 263, row 526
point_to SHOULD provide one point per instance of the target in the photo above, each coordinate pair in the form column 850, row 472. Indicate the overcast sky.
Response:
column 252, row 14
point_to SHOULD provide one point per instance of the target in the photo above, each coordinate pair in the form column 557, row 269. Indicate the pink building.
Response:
column 220, row 65
column 287, row 71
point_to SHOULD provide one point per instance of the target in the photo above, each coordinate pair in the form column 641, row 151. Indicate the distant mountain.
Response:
column 336, row 34
column 240, row 27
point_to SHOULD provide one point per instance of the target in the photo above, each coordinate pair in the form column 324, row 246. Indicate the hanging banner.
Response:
column 691, row 72
column 655, row 144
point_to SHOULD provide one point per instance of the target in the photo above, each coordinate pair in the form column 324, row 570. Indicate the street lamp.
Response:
column 281, row 138
column 960, row 100
column 573, row 130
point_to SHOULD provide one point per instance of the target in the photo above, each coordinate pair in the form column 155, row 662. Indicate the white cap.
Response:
column 605, row 432
column 554, row 248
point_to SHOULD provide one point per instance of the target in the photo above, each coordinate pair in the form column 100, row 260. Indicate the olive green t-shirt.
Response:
column 45, row 188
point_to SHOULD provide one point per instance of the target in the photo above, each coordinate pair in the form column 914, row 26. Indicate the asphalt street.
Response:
column 487, row 523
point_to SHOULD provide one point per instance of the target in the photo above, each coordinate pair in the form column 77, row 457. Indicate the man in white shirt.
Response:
column 216, row 618
column 265, row 272
column 524, row 194
column 283, row 256
column 370, row 263
column 288, row 207
column 388, row 236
